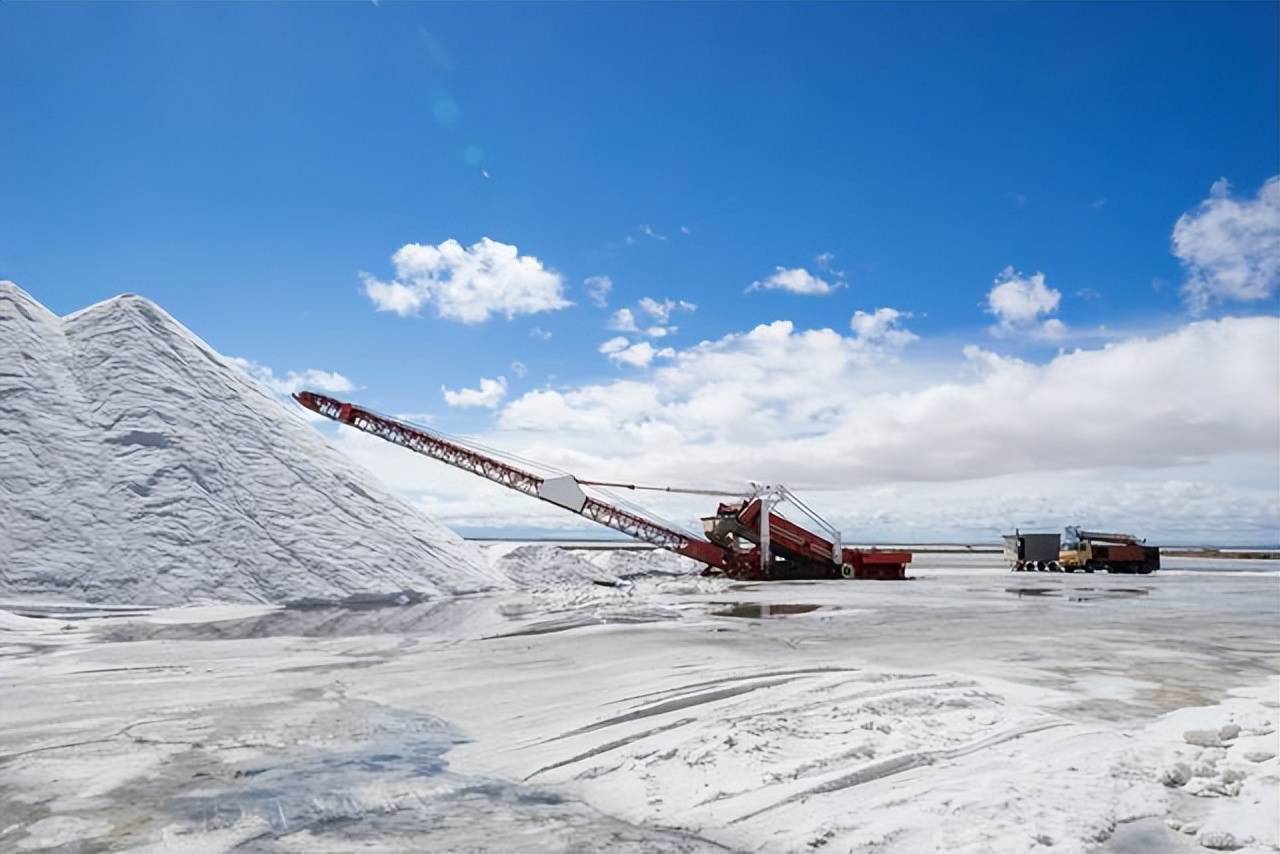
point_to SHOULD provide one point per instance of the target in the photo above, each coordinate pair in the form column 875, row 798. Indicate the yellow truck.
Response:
column 1094, row 550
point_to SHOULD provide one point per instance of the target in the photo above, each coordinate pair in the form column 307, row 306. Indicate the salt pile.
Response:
column 138, row 466
column 639, row 563
column 533, row 567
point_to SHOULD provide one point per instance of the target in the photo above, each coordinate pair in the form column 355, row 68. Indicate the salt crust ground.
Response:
column 966, row 711
column 139, row 466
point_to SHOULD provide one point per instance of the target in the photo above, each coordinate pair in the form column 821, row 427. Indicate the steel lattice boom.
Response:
column 563, row 491
column 746, row 539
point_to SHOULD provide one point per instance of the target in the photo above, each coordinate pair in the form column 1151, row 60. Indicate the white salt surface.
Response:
column 536, row 567
column 140, row 467
column 626, row 563
column 968, row 711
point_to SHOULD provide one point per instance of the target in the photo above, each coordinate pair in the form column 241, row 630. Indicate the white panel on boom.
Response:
column 563, row 491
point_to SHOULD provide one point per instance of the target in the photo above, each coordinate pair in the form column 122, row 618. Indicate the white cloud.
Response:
column 488, row 395
column 519, row 369
column 294, row 381
column 539, row 334
column 1053, row 329
column 684, row 229
column 882, row 325
column 796, row 280
column 661, row 310
column 648, row 231
column 615, row 344
column 598, row 288
column 818, row 408
column 659, row 331
column 1019, row 301
column 638, row 355
column 467, row 284
column 1230, row 247
column 915, row 443
column 623, row 320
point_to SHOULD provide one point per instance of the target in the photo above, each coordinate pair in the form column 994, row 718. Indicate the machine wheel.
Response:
column 1058, row 566
column 846, row 571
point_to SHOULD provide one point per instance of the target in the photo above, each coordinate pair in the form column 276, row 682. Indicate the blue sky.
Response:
column 242, row 163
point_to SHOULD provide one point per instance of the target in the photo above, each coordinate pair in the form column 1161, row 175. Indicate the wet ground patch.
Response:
column 1078, row 594
column 326, row 773
column 762, row 611
column 303, row 620
column 588, row 619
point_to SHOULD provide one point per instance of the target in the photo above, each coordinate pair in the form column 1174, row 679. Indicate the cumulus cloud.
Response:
column 638, row 355
column 661, row 310
column 294, row 381
column 487, row 396
column 598, row 288
column 1230, row 246
column 819, row 408
column 796, row 280
column 467, row 284
column 919, row 443
column 1019, row 301
column 882, row 325
column 623, row 320
column 1053, row 329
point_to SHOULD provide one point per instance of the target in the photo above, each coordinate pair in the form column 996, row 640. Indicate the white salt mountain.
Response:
column 138, row 466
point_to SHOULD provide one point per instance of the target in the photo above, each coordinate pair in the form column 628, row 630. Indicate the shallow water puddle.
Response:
column 758, row 611
column 1079, row 594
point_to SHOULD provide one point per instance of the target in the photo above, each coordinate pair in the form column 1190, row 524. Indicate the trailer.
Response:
column 1081, row 550
column 1032, row 552
column 745, row 539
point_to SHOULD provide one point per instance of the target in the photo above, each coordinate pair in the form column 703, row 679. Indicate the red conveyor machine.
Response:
column 744, row 539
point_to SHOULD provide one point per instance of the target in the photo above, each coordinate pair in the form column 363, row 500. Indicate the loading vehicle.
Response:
column 1120, row 553
column 744, row 539
column 1087, row 551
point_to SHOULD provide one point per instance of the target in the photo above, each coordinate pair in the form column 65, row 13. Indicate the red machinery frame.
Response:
column 740, row 547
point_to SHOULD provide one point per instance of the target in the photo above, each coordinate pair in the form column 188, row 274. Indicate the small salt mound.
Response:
column 141, row 467
column 534, row 567
column 636, row 563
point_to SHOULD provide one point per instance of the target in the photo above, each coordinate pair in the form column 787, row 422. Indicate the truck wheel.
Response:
column 846, row 571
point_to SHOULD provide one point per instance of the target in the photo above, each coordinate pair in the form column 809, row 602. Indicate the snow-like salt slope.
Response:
column 533, row 567
column 139, row 466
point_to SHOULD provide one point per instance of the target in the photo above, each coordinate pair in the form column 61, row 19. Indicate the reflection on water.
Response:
column 756, row 611
column 345, row 775
column 1079, row 594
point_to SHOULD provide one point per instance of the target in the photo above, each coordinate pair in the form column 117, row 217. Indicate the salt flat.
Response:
column 967, row 710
